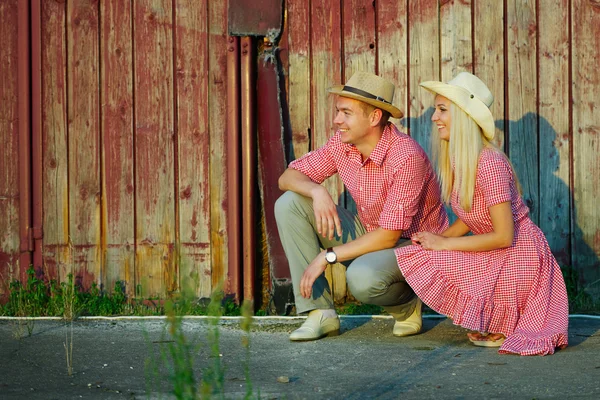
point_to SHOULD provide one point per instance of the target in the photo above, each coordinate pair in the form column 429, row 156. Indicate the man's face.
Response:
column 351, row 121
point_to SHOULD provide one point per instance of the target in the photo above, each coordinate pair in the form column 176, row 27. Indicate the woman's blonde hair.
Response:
column 457, row 158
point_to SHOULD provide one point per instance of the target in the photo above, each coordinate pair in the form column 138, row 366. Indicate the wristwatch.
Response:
column 330, row 256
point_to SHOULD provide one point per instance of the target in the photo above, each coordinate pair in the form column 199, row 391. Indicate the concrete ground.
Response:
column 119, row 359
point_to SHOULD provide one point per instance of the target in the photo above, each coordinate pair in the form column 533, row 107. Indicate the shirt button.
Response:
column 360, row 188
column 362, row 208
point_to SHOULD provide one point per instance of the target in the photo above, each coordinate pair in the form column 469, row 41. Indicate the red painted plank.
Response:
column 424, row 65
column 392, row 25
column 56, row 252
column 554, row 136
column 9, row 150
column 488, row 57
column 217, row 110
column 84, row 140
column 154, row 147
column 118, row 219
column 326, row 72
column 191, row 33
column 359, row 37
column 299, row 74
column 522, row 99
column 455, row 34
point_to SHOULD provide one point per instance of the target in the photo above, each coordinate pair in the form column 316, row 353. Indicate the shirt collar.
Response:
column 380, row 151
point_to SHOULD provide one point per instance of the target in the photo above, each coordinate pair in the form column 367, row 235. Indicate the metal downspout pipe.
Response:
column 234, row 271
column 248, row 165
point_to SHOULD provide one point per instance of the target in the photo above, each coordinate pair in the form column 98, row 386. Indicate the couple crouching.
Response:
column 502, row 282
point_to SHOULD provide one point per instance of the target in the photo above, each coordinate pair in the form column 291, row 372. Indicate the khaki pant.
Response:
column 373, row 278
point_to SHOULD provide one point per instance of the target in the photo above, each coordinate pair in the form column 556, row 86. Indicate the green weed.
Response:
column 177, row 353
column 579, row 299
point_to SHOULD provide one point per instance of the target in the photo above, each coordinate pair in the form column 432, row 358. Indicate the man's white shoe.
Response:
column 316, row 326
column 411, row 325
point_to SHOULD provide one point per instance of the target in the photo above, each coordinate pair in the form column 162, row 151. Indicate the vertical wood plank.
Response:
column 118, row 218
column 83, row 131
column 456, row 47
column 586, row 144
column 9, row 150
column 358, row 37
column 154, row 147
column 299, row 74
column 488, row 59
column 191, row 50
column 326, row 36
column 424, row 65
column 55, row 190
column 392, row 49
column 522, row 99
column 217, row 126
column 554, row 136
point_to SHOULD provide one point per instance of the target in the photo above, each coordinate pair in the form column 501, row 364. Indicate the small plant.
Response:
column 178, row 352
column 360, row 309
column 579, row 299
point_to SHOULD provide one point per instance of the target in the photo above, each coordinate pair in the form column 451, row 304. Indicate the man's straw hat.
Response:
column 370, row 89
column 472, row 95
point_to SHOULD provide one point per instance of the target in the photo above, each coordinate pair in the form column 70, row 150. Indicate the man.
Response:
column 396, row 192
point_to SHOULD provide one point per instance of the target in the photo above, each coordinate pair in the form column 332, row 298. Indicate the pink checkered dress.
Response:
column 518, row 291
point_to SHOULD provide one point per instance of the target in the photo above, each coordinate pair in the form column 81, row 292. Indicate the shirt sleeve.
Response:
column 403, row 200
column 494, row 178
column 319, row 164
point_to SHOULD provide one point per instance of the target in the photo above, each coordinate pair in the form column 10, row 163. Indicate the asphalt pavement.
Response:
column 132, row 359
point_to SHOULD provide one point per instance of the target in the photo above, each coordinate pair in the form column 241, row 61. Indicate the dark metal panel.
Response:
column 255, row 17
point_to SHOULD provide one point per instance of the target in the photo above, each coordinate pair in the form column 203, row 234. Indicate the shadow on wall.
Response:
column 549, row 198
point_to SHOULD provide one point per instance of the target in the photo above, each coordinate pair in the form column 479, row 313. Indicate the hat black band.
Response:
column 364, row 94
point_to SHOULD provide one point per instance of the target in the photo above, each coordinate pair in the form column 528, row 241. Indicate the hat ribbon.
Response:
column 364, row 94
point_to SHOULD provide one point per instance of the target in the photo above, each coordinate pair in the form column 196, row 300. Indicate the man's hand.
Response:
column 312, row 272
column 326, row 215
column 429, row 241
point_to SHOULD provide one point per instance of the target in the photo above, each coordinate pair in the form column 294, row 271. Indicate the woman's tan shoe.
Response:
column 316, row 326
column 411, row 325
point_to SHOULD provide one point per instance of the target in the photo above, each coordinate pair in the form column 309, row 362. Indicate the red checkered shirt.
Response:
column 395, row 188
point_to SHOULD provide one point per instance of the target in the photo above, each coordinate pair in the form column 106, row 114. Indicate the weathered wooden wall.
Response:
column 133, row 107
column 539, row 58
column 133, row 135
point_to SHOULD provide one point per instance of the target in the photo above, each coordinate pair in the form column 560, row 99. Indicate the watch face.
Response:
column 330, row 257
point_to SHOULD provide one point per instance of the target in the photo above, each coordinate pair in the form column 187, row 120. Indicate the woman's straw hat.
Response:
column 472, row 95
column 370, row 89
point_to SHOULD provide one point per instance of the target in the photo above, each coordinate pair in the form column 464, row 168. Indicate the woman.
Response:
column 502, row 282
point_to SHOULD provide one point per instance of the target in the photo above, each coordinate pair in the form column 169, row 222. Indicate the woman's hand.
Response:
column 429, row 241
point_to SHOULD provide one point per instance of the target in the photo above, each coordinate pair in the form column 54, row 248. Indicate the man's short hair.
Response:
column 368, row 109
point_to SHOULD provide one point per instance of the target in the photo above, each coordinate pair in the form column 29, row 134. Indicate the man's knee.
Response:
column 363, row 284
column 288, row 202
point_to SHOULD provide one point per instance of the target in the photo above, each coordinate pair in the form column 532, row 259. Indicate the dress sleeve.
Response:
column 494, row 178
column 403, row 200
column 319, row 164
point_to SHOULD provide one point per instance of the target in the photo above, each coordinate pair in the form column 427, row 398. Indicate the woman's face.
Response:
column 441, row 116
